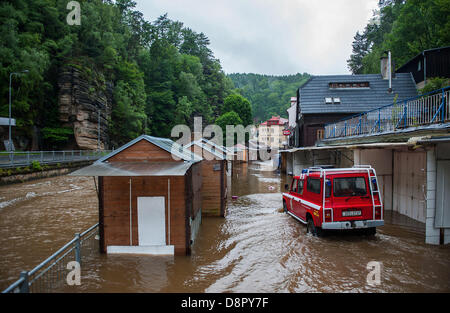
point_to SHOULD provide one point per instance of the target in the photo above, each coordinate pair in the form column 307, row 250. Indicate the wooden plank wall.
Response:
column 211, row 188
column 143, row 151
column 211, row 184
column 197, row 180
column 116, row 195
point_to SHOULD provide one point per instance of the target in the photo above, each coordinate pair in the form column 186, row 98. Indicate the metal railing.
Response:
column 424, row 110
column 52, row 273
column 14, row 159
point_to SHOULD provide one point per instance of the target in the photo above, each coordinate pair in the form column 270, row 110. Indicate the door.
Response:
column 151, row 221
column 442, row 217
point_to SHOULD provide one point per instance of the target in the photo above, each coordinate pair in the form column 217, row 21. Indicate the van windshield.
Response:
column 349, row 187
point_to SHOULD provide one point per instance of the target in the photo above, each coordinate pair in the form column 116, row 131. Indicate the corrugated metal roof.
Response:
column 314, row 92
column 218, row 154
column 135, row 169
column 220, row 147
column 164, row 143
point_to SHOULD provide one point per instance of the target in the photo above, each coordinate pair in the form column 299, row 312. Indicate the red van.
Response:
column 327, row 198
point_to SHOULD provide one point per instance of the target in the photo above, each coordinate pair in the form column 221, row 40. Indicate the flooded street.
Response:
column 256, row 248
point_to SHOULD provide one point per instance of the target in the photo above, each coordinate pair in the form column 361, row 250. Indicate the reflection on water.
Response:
column 256, row 248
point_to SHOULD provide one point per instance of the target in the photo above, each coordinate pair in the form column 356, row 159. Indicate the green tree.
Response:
column 240, row 105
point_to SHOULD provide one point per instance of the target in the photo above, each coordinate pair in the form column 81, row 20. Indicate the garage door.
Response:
column 410, row 184
column 151, row 221
column 442, row 219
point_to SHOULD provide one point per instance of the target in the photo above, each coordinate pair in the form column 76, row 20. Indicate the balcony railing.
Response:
column 425, row 110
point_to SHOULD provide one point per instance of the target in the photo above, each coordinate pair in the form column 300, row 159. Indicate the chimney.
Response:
column 384, row 60
column 386, row 68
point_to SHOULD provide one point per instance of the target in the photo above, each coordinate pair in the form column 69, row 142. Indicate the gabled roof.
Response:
column 220, row 147
column 200, row 143
column 354, row 100
column 401, row 68
column 278, row 120
column 164, row 143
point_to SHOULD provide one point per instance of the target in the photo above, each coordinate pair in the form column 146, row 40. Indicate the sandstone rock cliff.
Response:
column 82, row 95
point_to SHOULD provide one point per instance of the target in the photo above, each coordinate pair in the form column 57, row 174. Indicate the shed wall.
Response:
column 116, row 209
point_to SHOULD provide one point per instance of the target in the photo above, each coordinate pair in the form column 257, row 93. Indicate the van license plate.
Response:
column 351, row 213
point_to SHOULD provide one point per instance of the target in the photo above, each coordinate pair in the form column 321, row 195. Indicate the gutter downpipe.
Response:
column 131, row 223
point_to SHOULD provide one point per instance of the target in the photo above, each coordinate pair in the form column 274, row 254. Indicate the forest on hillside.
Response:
column 268, row 94
column 162, row 73
column 406, row 28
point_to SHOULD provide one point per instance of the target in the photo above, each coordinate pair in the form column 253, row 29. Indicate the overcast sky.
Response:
column 272, row 36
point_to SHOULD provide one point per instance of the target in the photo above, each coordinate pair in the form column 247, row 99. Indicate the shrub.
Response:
column 35, row 165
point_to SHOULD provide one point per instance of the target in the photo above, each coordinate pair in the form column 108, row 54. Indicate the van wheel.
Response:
column 284, row 207
column 370, row 231
column 311, row 228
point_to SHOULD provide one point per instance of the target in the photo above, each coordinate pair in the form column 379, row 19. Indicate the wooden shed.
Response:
column 149, row 197
column 214, row 168
column 241, row 152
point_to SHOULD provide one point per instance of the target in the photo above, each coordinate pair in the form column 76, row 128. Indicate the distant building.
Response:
column 428, row 64
column 270, row 133
column 292, row 113
column 327, row 99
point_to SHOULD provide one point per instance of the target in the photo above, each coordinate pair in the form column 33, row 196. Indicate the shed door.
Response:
column 151, row 221
column 442, row 217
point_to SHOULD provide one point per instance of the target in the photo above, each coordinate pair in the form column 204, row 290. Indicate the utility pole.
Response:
column 10, row 82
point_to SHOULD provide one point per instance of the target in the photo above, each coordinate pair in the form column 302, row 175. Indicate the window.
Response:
column 419, row 66
column 336, row 100
column 349, row 187
column 300, row 187
column 327, row 188
column 294, row 185
column 353, row 85
column 329, row 100
column 313, row 185
column 320, row 133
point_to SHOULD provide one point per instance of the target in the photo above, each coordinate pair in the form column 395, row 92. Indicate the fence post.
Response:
column 28, row 157
column 379, row 120
column 405, row 114
column 78, row 248
column 443, row 106
column 24, row 287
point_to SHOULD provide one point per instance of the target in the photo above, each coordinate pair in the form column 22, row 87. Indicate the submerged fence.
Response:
column 10, row 159
column 52, row 273
column 424, row 110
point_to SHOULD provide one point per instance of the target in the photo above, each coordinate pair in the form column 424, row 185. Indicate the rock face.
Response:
column 85, row 102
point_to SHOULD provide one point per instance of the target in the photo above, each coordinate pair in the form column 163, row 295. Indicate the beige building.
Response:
column 270, row 133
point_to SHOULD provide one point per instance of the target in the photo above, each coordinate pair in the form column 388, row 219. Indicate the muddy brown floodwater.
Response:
column 256, row 248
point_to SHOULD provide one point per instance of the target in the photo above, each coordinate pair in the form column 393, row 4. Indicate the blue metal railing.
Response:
column 424, row 110
column 52, row 272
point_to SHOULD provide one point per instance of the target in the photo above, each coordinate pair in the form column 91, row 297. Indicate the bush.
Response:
column 434, row 84
column 35, row 165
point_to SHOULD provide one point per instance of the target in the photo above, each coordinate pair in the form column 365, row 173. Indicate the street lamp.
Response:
column 10, row 79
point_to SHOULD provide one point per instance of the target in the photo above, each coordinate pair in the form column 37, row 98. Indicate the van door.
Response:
column 312, row 195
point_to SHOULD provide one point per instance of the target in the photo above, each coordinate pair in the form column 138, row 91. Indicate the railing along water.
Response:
column 52, row 273
column 25, row 158
column 424, row 110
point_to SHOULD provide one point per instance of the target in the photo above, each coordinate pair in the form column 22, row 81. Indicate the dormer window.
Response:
column 332, row 100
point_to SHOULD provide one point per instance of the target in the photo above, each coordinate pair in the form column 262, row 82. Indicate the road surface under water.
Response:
column 256, row 248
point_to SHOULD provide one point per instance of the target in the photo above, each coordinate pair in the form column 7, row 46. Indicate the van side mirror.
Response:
column 286, row 187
